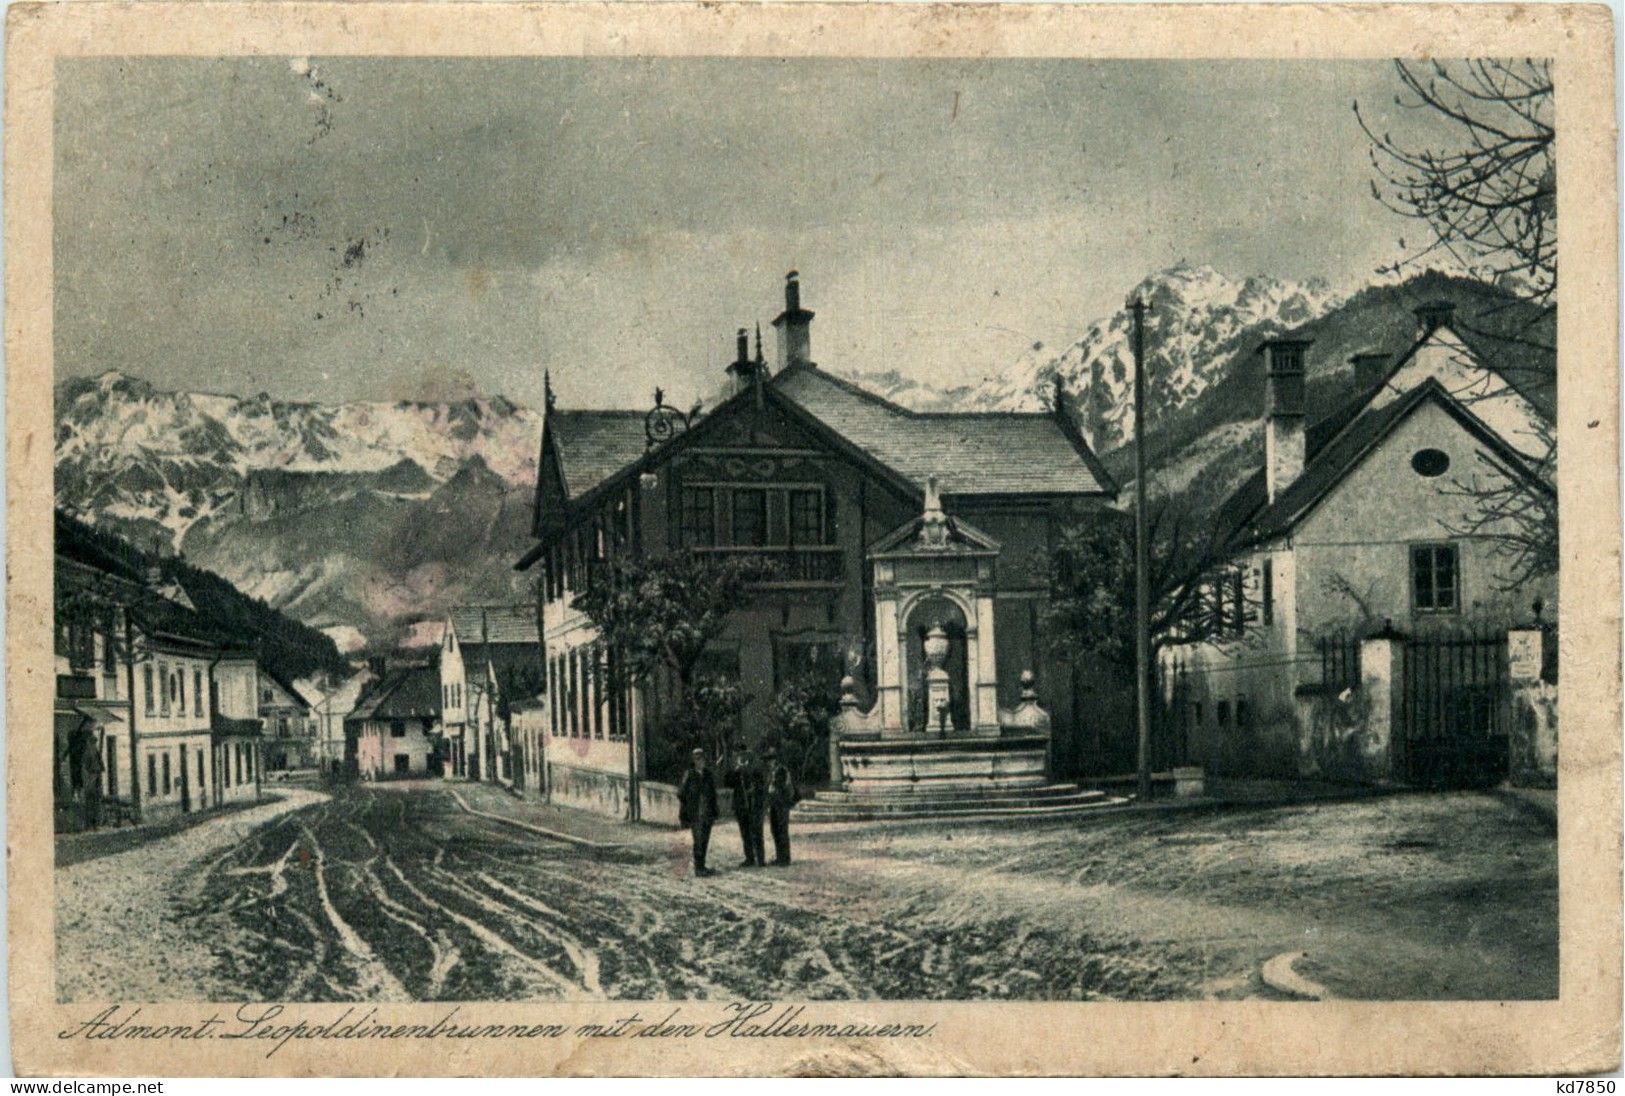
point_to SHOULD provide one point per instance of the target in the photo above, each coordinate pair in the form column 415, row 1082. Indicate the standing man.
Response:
column 697, row 807
column 781, row 796
column 749, row 786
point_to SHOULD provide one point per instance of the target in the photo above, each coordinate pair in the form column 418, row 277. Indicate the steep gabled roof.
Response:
column 406, row 692
column 593, row 445
column 286, row 686
column 495, row 624
column 970, row 453
column 1339, row 453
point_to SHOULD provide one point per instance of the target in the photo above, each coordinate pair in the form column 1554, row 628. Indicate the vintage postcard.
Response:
column 807, row 539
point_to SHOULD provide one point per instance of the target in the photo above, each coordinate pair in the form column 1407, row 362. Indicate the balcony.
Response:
column 792, row 565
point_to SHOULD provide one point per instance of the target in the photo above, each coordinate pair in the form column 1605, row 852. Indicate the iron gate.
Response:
column 1453, row 721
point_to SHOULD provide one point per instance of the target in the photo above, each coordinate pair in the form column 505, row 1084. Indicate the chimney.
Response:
column 1370, row 367
column 1283, row 411
column 742, row 369
column 1434, row 314
column 795, row 341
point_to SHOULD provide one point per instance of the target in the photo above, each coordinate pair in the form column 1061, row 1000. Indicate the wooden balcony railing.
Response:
column 791, row 565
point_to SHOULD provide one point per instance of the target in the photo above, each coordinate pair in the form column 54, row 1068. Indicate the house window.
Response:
column 1430, row 462
column 572, row 695
column 397, row 728
column 1221, row 711
column 806, row 517
column 699, row 517
column 1266, row 590
column 553, row 695
column 200, row 780
column 112, row 767
column 109, row 654
column 750, row 517
column 152, row 774
column 167, row 783
column 197, row 693
column 146, row 686
column 164, row 686
column 597, row 692
column 1244, row 716
column 1435, row 578
column 180, row 692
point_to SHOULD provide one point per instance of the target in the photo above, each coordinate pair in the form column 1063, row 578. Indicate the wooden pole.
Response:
column 1142, row 575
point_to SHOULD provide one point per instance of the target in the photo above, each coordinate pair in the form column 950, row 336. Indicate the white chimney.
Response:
column 793, row 326
column 1283, row 411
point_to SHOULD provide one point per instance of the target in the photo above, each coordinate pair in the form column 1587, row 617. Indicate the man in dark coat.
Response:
column 749, row 784
column 697, row 807
column 781, row 796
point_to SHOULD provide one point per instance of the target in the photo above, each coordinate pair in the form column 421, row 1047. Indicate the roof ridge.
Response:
column 850, row 386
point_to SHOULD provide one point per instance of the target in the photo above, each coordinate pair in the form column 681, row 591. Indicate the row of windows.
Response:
column 165, row 691
column 161, row 764
column 1227, row 605
column 77, row 632
column 583, row 701
column 569, row 562
column 451, row 696
column 715, row 515
column 1226, row 713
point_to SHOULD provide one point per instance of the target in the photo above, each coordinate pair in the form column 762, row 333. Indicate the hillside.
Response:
column 1205, row 391
column 285, row 646
column 356, row 519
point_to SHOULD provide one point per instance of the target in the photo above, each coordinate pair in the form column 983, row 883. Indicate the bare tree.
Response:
column 1515, row 510
column 1489, row 199
column 1489, row 202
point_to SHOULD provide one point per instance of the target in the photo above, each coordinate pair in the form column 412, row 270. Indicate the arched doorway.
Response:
column 928, row 613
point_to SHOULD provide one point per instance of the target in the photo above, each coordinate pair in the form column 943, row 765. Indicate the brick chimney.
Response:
column 1434, row 314
column 1283, row 413
column 1370, row 367
column 793, row 326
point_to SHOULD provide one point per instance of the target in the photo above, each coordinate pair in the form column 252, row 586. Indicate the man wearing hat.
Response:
column 697, row 806
column 781, row 796
column 749, row 786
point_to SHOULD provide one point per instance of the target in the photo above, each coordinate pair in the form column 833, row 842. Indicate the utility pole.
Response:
column 1142, row 575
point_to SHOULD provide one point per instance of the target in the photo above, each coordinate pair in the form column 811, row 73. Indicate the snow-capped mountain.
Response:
column 1197, row 320
column 355, row 516
column 162, row 460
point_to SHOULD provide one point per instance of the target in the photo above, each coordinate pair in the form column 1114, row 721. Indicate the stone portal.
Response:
column 935, row 740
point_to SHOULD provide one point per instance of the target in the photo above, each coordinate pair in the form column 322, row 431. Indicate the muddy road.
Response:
column 404, row 893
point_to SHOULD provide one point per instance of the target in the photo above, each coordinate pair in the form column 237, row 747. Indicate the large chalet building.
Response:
column 826, row 480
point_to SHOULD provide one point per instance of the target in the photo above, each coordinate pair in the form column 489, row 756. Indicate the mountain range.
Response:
column 355, row 518
column 362, row 519
column 1204, row 379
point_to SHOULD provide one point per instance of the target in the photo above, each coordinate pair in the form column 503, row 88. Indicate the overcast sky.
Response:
column 335, row 229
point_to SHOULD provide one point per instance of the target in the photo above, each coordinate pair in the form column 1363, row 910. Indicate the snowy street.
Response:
column 415, row 891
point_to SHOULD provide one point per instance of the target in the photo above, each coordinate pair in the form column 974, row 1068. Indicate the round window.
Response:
column 1430, row 462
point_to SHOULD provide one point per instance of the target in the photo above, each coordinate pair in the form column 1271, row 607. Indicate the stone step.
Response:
column 810, row 811
column 922, row 793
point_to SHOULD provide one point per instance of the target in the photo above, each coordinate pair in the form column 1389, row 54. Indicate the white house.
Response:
column 1369, row 522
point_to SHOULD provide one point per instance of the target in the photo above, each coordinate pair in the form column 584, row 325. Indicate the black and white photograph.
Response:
column 806, row 529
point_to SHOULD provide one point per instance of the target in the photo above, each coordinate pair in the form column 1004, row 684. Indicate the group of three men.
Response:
column 759, row 791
